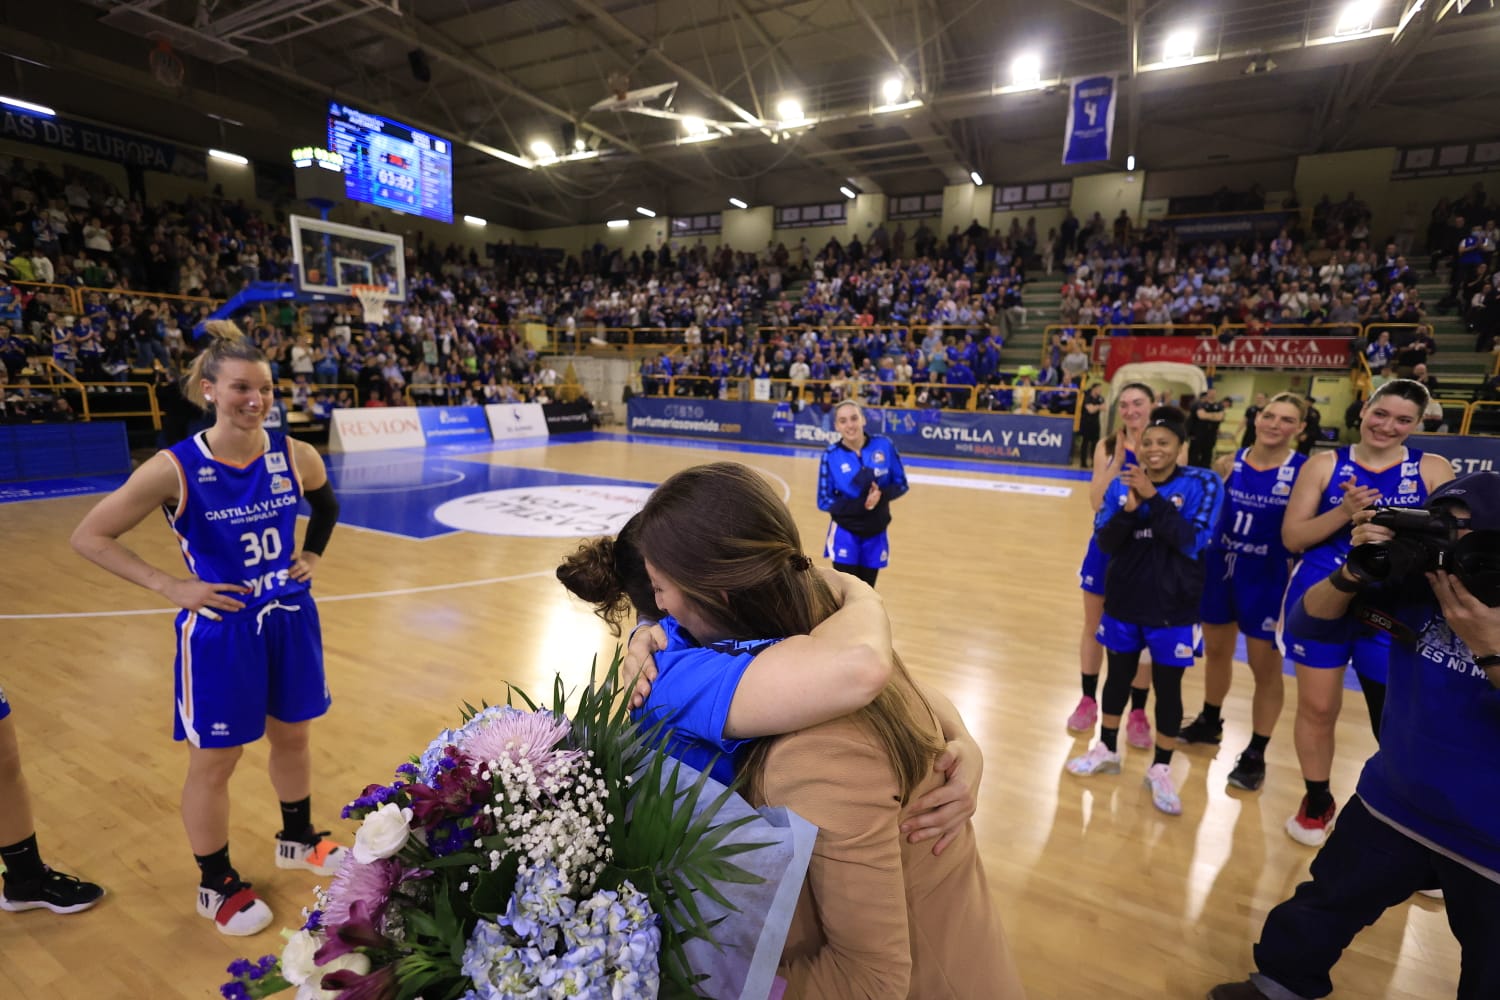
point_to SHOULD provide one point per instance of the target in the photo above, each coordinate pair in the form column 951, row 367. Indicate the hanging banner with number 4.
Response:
column 1091, row 120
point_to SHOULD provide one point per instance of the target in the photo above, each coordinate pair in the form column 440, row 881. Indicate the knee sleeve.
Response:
column 1122, row 668
column 1167, row 683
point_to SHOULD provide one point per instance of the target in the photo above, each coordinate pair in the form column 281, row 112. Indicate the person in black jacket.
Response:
column 1156, row 519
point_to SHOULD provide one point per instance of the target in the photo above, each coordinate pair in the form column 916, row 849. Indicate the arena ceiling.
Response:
column 1267, row 79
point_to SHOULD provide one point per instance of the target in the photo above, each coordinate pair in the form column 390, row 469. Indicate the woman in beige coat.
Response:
column 882, row 914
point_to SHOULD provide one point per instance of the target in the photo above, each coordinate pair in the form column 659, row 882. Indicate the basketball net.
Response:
column 372, row 301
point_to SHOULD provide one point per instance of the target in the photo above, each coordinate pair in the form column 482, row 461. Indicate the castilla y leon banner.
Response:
column 1241, row 352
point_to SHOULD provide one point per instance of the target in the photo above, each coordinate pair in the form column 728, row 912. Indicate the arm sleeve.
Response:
column 842, row 782
column 325, row 514
column 898, row 485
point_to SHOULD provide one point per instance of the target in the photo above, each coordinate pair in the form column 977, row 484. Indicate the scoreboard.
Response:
column 392, row 165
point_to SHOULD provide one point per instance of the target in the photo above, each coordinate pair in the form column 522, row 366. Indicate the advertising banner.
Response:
column 1228, row 226
column 1291, row 353
column 1091, row 120
column 566, row 418
column 374, row 428
column 450, row 424
column 1467, row 453
column 87, row 140
column 516, row 420
column 922, row 432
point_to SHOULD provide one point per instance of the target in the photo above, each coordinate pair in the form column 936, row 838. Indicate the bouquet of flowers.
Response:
column 533, row 854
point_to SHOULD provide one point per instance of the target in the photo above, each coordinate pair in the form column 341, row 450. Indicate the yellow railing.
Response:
column 1474, row 410
column 153, row 408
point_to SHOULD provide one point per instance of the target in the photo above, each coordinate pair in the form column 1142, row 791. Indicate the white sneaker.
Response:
column 325, row 857
column 1163, row 793
column 1099, row 760
column 238, row 913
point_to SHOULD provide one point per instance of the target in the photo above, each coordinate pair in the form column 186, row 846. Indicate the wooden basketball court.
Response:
column 1101, row 895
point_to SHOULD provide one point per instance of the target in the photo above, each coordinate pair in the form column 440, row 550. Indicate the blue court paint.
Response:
column 793, row 451
column 1241, row 655
column 51, row 489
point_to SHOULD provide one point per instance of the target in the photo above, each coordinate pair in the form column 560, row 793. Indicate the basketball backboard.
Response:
column 331, row 256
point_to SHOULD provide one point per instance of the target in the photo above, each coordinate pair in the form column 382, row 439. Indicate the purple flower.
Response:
column 372, row 797
column 379, row 984
column 519, row 735
column 234, row 991
column 356, row 884
column 314, row 921
column 359, row 931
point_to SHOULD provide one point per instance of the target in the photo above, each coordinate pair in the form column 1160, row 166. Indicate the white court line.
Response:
column 786, row 489
column 996, row 485
column 321, row 600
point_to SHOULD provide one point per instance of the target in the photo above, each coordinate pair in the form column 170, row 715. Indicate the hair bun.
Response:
column 800, row 562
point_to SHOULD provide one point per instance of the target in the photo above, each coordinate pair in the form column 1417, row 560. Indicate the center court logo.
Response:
column 545, row 511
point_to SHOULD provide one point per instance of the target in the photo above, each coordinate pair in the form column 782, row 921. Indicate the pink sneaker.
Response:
column 1163, row 792
column 1099, row 760
column 1084, row 716
column 1138, row 730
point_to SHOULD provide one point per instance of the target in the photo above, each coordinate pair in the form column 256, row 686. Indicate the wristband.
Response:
column 1487, row 661
column 1343, row 584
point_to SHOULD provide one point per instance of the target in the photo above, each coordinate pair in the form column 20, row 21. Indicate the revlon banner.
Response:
column 1290, row 353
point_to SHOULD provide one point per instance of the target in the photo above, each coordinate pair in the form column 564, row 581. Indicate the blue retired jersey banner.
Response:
column 921, row 432
column 1091, row 120
column 447, row 424
column 1468, row 454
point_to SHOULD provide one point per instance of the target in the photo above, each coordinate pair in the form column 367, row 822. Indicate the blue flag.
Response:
column 1091, row 120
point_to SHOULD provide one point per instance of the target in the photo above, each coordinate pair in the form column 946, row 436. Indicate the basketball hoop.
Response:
column 165, row 64
column 372, row 300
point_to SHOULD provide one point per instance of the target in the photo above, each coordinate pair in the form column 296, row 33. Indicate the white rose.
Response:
column 354, row 961
column 297, row 957
column 382, row 834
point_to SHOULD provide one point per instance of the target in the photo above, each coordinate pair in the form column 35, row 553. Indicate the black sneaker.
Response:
column 1249, row 771
column 1201, row 730
column 55, row 891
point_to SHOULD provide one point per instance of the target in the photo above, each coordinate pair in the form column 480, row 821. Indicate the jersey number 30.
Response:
column 261, row 547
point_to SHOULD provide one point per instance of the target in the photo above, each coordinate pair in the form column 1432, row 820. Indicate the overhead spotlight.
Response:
column 737, row 203
column 475, row 220
column 1259, row 65
column 693, row 125
column 580, row 144
column 645, row 211
column 1026, row 71
column 234, row 158
column 892, row 89
column 20, row 105
column 1179, row 45
column 847, row 191
column 1356, row 18
column 974, row 176
column 1130, row 162
column 789, row 111
column 542, row 150
column 618, row 223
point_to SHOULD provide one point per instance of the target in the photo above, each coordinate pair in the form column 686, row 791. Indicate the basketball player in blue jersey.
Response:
column 1156, row 520
column 1114, row 453
column 29, row 884
column 249, row 647
column 859, row 477
column 1246, row 570
column 1378, row 471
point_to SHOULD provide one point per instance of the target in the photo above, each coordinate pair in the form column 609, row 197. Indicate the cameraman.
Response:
column 1429, row 800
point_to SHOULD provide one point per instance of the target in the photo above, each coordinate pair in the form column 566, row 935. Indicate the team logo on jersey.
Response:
column 1411, row 469
column 280, row 484
column 880, row 456
column 1177, row 502
column 1286, row 473
column 207, row 474
column 220, row 729
column 275, row 461
column 1408, row 486
column 1281, row 489
column 845, row 467
column 1182, row 650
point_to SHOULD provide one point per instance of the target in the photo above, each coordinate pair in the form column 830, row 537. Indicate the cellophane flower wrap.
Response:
column 530, row 853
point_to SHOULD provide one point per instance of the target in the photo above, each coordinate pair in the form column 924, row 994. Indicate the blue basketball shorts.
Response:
column 1369, row 651
column 4, row 705
column 1171, row 646
column 232, row 673
column 850, row 549
column 1091, row 574
column 1244, row 590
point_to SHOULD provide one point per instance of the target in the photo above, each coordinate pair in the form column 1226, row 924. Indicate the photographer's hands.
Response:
column 1477, row 624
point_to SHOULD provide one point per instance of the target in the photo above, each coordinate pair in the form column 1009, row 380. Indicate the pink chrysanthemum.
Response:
column 529, row 736
column 370, row 884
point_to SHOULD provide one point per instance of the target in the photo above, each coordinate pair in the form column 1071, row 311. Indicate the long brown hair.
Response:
column 1113, row 440
column 227, row 342
column 732, row 548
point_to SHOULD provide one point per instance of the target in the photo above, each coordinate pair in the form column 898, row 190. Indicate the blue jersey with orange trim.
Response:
column 238, row 524
column 1254, row 505
column 1400, row 485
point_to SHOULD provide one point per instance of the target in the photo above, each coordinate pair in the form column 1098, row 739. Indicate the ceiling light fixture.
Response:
column 1026, row 71
column 846, row 191
column 234, row 158
column 645, row 211
column 892, row 89
column 475, row 220
column 1356, row 17
column 974, row 176
column 20, row 105
column 737, row 203
column 789, row 112
column 1179, row 45
column 618, row 223
column 543, row 150
column 1130, row 162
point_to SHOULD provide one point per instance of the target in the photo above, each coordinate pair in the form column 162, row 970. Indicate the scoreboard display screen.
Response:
column 392, row 165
